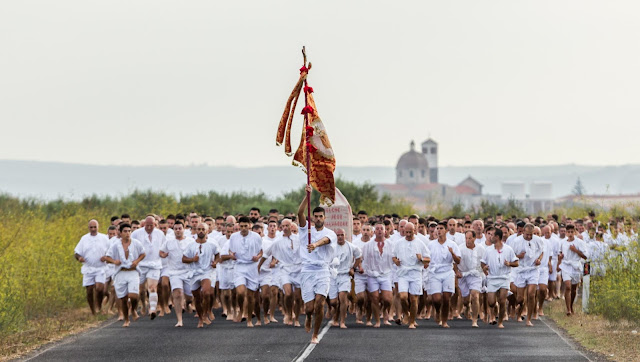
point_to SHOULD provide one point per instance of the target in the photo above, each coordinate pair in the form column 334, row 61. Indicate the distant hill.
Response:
column 50, row 180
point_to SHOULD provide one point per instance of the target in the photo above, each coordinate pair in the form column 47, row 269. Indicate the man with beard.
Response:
column 529, row 249
column 246, row 249
column 315, row 276
column 573, row 249
column 470, row 274
column 363, row 303
column 268, row 284
column 202, row 256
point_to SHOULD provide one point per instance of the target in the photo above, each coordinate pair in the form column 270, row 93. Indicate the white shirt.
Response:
column 151, row 247
column 495, row 260
column 571, row 261
column 176, row 248
column 266, row 244
column 346, row 255
column 470, row 260
column 374, row 263
column 406, row 251
column 206, row 254
column 224, row 250
column 319, row 258
column 92, row 248
column 245, row 247
column 116, row 252
column 457, row 238
column 441, row 259
column 286, row 251
column 533, row 249
column 355, row 237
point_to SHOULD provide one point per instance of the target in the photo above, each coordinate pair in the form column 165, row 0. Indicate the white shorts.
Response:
column 148, row 273
column 573, row 276
column 412, row 283
column 314, row 283
column 242, row 276
column 126, row 282
column 425, row 279
column 553, row 276
column 468, row 283
column 196, row 280
column 339, row 284
column 360, row 281
column 495, row 284
column 164, row 272
column 226, row 278
column 181, row 281
column 265, row 278
column 380, row 283
column 442, row 283
column 290, row 278
column 543, row 277
column 527, row 277
column 93, row 278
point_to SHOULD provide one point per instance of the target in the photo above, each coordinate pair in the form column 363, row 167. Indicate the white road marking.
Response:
column 307, row 351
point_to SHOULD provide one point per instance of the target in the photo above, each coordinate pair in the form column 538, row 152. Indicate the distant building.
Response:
column 417, row 181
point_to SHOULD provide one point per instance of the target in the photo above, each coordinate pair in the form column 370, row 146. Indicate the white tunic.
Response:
column 151, row 247
column 206, row 254
column 470, row 260
column 406, row 251
column 116, row 252
column 286, row 250
column 374, row 263
column 245, row 247
column 320, row 258
column 457, row 238
column 571, row 261
column 346, row 256
column 175, row 248
column 92, row 248
column 495, row 260
column 441, row 259
column 533, row 249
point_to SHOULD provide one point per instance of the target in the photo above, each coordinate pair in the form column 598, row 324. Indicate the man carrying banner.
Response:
column 315, row 275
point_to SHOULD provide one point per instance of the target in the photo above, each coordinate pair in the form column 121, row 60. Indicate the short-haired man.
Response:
column 315, row 275
column 573, row 249
column 470, row 274
column 152, row 240
column 377, row 259
column 345, row 257
column 179, row 273
column 444, row 253
column 496, row 263
column 246, row 248
column 529, row 249
column 126, row 254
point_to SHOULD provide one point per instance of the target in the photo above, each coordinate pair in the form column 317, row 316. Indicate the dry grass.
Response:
column 615, row 340
column 46, row 330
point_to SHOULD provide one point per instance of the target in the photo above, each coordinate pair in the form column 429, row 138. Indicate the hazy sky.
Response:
column 181, row 82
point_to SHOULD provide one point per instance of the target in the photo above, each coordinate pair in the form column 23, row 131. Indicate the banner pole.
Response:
column 306, row 142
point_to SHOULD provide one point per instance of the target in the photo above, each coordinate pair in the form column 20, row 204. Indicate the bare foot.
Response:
column 568, row 314
column 500, row 326
column 474, row 325
column 412, row 326
column 206, row 320
column 126, row 324
column 211, row 316
column 343, row 326
column 334, row 324
column 160, row 313
column 445, row 325
column 135, row 316
column 529, row 324
column 387, row 323
column 296, row 323
column 258, row 323
column 200, row 325
column 377, row 325
column 273, row 320
column 541, row 314
column 167, row 310
column 307, row 326
column 359, row 321
column 314, row 340
column 120, row 318
column 179, row 324
column 265, row 321
column 369, row 324
column 250, row 325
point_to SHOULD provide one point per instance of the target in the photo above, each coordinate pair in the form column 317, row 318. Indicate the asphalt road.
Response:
column 158, row 340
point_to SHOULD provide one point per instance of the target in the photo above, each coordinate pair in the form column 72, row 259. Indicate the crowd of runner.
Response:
column 393, row 270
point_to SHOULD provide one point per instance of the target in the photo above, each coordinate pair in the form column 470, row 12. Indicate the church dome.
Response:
column 412, row 160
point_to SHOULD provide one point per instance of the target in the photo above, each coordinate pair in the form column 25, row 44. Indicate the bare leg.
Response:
column 475, row 304
column 92, row 304
column 444, row 316
column 413, row 311
column 177, row 303
column 317, row 320
column 125, row 311
column 344, row 303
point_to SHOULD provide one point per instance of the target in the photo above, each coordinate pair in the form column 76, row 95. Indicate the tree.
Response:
column 578, row 189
